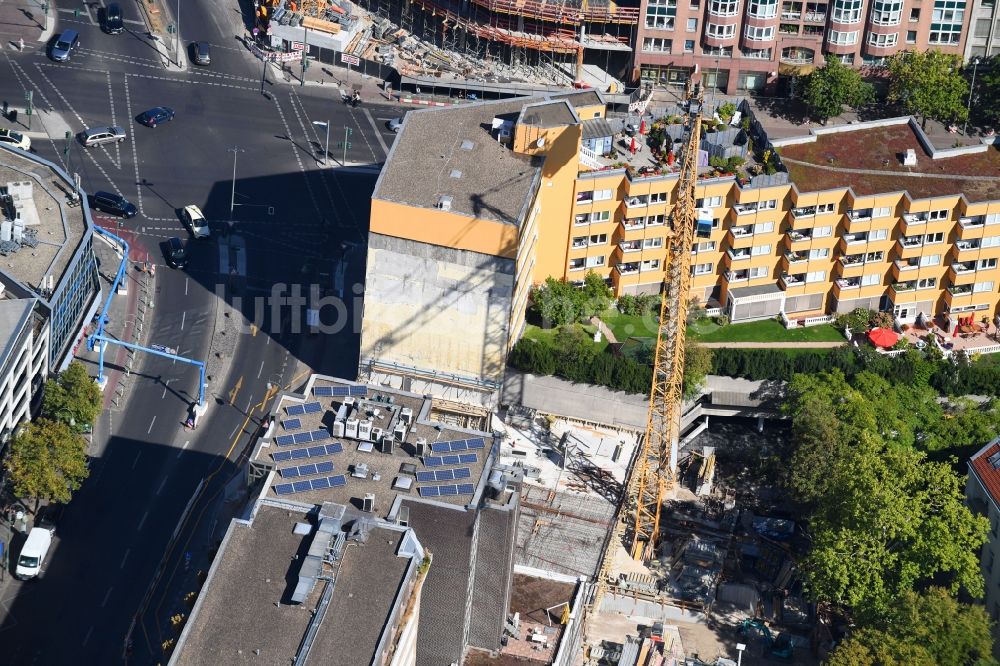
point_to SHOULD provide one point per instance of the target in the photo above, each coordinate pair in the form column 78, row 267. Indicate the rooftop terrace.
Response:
column 57, row 227
column 869, row 161
column 342, row 442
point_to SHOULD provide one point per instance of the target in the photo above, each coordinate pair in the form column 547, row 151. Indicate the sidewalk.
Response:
column 26, row 20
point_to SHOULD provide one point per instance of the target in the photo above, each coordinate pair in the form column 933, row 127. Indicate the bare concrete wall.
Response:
column 437, row 310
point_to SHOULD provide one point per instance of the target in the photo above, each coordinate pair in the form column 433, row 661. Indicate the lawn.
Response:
column 630, row 326
column 767, row 330
column 545, row 335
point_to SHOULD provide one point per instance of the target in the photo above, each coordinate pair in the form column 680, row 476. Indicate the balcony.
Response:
column 796, row 257
column 960, row 289
column 849, row 283
column 853, row 260
column 963, row 267
column 855, row 239
column 860, row 214
column 903, row 287
column 745, row 209
column 792, row 280
column 738, row 276
column 805, row 211
column 967, row 245
column 738, row 254
column 630, row 268
column 631, row 246
column 797, row 236
column 636, row 202
column 973, row 222
column 632, row 225
column 579, row 243
column 962, row 272
column 907, row 264
column 815, row 18
column 791, row 16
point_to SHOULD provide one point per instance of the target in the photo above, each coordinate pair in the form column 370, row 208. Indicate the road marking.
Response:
column 185, row 286
column 234, row 431
column 183, row 318
column 106, row 597
column 143, row 521
column 122, row 565
column 136, row 461
column 87, row 637
column 378, row 134
column 150, row 428
column 182, row 448
column 249, row 403
column 162, row 483
column 166, row 384
column 261, row 369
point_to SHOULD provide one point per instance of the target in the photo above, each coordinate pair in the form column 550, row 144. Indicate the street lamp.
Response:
column 739, row 648
column 177, row 33
column 232, row 196
column 326, row 150
column 968, row 107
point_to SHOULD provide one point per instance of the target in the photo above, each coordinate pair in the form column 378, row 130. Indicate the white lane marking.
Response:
column 166, row 384
column 122, row 565
column 183, row 319
column 378, row 134
column 106, row 597
column 249, row 402
column 136, row 461
column 261, row 368
column 150, row 428
column 234, row 431
column 162, row 483
column 185, row 286
column 143, row 521
column 182, row 448
column 87, row 637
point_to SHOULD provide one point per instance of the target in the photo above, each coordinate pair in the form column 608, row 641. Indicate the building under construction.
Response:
column 563, row 35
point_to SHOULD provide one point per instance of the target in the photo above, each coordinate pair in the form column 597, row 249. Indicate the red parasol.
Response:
column 883, row 337
column 642, row 127
column 632, row 147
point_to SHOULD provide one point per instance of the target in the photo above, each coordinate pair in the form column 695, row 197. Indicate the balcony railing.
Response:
column 807, row 211
column 632, row 224
column 797, row 236
column 635, row 202
column 960, row 289
column 737, row 276
column 965, row 246
column 627, row 269
column 849, row 283
column 791, row 16
column 860, row 215
column 628, row 246
column 815, row 18
column 907, row 264
column 737, row 255
column 915, row 218
column 911, row 242
column 903, row 286
column 792, row 279
column 795, row 257
column 742, row 232
column 855, row 239
column 853, row 260
column 745, row 209
column 972, row 222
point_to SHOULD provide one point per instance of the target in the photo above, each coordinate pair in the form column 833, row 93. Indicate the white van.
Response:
column 29, row 564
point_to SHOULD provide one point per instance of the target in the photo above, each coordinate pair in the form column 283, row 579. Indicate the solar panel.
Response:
column 467, row 458
column 307, row 470
column 424, row 477
column 281, row 456
column 284, row 440
column 284, row 489
column 323, row 391
column 289, row 472
column 299, row 454
column 312, row 407
column 439, row 447
column 466, row 489
column 302, row 486
column 325, row 467
column 291, row 424
column 459, row 445
column 358, row 390
column 320, row 435
column 428, row 491
column 302, row 437
column 477, row 443
column 451, row 460
column 295, row 410
column 337, row 481
column 320, row 483
column 316, row 451
column 447, row 490
column 334, row 448
column 463, row 473
column 433, row 461
column 444, row 475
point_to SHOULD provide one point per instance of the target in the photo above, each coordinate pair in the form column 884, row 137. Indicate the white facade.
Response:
column 984, row 30
column 24, row 364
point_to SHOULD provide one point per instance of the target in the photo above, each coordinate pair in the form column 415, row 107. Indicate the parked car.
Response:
column 202, row 53
column 175, row 253
column 396, row 124
column 98, row 135
column 195, row 220
column 155, row 116
column 114, row 22
column 67, row 42
column 15, row 139
column 113, row 204
column 33, row 552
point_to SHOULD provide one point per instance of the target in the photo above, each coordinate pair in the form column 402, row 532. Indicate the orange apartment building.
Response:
column 484, row 201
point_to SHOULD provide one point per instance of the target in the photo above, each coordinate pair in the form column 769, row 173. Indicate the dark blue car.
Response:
column 155, row 116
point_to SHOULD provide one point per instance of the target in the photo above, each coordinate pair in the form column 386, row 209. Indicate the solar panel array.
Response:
column 457, row 459
column 307, row 408
column 310, row 452
column 339, row 391
column 447, row 490
column 291, row 424
column 324, row 467
column 459, row 445
column 302, row 437
column 444, row 475
column 318, row 483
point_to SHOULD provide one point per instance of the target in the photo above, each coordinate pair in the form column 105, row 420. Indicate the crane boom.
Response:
column 654, row 468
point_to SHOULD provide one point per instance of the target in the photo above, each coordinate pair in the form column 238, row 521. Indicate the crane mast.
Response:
column 653, row 472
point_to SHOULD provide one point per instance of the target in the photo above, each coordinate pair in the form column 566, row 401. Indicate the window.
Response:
column 756, row 34
column 874, row 256
column 819, row 253
column 600, row 216
column 702, row 269
column 915, row 13
column 598, row 239
column 911, row 36
column 886, row 12
column 931, row 260
column 657, row 197
column 688, row 46
column 982, row 27
column 982, row 286
column 759, row 272
column 826, row 208
column 707, row 246
column 652, row 243
column 937, row 215
column 986, row 264
column 770, row 204
column 843, row 38
column 880, row 212
column 871, row 279
column 651, row 265
column 692, row 25
column 882, row 41
column 947, row 20
column 927, row 283
column 878, row 234
column 816, row 276
column 602, row 195
column 931, row 239
column 657, row 45
column 822, row 232
column 593, row 262
column 847, row 11
column 993, row 218
column 709, row 202
column 660, row 14
column 760, row 250
column 720, row 31
column 763, row 227
column 723, row 7
column 757, row 54
column 577, row 264
column 991, row 241
column 763, row 8
column 654, row 220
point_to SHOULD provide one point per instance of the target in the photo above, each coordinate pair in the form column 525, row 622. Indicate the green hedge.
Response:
column 605, row 369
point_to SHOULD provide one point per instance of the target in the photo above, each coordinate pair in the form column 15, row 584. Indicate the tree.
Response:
column 596, row 295
column 871, row 647
column 697, row 364
column 832, row 86
column 47, row 461
column 72, row 395
column 929, row 84
column 556, row 302
column 988, row 90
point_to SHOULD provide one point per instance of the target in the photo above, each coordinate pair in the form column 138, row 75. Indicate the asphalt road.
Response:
column 114, row 539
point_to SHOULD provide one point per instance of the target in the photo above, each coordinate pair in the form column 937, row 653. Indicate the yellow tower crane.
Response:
column 652, row 475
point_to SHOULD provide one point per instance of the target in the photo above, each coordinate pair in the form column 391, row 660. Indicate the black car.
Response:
column 114, row 22
column 175, row 253
column 113, row 204
column 155, row 116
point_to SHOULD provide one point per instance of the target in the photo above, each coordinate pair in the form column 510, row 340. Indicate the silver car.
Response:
column 67, row 42
column 99, row 135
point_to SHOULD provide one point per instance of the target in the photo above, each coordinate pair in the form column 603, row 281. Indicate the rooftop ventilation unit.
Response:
column 385, row 445
column 421, row 446
column 338, row 428
column 376, row 434
column 400, row 432
column 369, row 503
column 406, row 415
column 467, row 145
column 365, row 429
column 351, row 429
column 444, row 203
column 455, row 173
